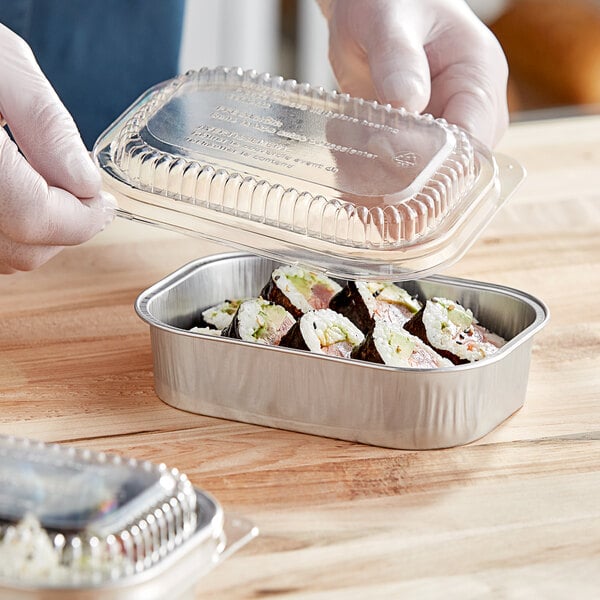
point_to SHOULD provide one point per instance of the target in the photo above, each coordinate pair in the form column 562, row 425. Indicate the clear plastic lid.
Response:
column 301, row 175
column 68, row 514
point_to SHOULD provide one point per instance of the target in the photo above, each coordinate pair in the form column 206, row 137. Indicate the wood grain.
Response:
column 514, row 515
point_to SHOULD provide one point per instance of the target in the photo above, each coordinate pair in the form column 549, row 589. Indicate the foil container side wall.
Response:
column 396, row 409
column 350, row 400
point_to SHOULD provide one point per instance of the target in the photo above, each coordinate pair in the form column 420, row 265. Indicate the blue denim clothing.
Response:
column 99, row 55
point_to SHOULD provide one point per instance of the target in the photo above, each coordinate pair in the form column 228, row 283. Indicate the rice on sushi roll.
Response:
column 390, row 344
column 363, row 302
column 258, row 320
column 452, row 331
column 298, row 290
column 325, row 332
column 205, row 330
column 220, row 315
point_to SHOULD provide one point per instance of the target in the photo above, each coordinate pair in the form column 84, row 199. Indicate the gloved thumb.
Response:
column 399, row 69
column 34, row 213
column 376, row 55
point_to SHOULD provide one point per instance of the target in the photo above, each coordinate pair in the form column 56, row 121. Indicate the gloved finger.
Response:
column 15, row 256
column 400, row 69
column 348, row 58
column 376, row 55
column 39, row 122
column 32, row 212
column 471, row 91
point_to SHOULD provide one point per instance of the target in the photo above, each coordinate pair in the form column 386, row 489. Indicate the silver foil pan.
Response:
column 329, row 396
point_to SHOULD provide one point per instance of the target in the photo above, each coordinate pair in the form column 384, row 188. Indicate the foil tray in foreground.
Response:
column 329, row 396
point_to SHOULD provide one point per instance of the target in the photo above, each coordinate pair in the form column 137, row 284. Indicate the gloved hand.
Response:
column 50, row 194
column 432, row 56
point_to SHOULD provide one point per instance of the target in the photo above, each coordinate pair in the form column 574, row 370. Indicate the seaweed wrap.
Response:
column 298, row 290
column 257, row 320
column 364, row 302
column 220, row 315
column 325, row 332
column 453, row 332
column 390, row 344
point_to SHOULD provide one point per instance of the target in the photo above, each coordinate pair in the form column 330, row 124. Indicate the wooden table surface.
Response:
column 513, row 515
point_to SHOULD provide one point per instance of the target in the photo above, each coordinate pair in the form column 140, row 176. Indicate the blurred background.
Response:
column 552, row 46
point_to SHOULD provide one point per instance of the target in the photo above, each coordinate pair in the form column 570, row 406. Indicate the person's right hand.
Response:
column 50, row 194
column 432, row 56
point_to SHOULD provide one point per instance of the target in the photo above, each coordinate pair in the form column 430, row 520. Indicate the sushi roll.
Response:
column 452, row 331
column 325, row 332
column 220, row 315
column 258, row 320
column 363, row 302
column 299, row 291
column 390, row 344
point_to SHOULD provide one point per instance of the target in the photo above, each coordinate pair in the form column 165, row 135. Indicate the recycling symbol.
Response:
column 406, row 159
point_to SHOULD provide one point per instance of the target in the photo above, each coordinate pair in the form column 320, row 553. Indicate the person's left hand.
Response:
column 50, row 190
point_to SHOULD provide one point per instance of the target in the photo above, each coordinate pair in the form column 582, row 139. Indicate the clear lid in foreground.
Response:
column 73, row 515
column 301, row 175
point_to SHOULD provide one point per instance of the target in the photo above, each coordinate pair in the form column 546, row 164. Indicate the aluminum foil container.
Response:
column 299, row 174
column 329, row 396
column 87, row 525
